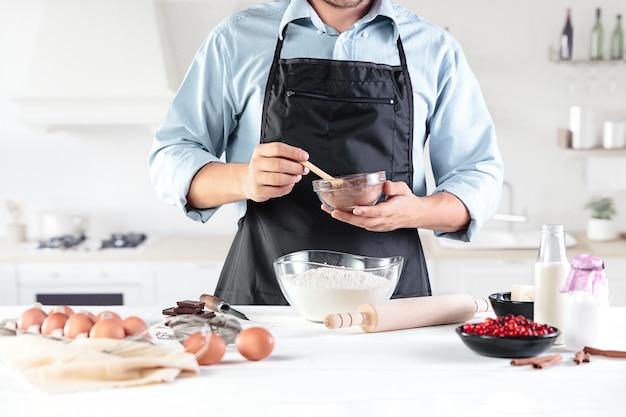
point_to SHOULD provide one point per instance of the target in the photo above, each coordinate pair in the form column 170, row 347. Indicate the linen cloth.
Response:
column 57, row 366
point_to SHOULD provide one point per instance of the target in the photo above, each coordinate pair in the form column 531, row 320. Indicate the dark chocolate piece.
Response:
column 195, row 308
column 190, row 304
column 169, row 311
column 181, row 310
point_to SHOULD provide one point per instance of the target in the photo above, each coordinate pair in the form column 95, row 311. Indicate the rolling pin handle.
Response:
column 482, row 306
column 339, row 320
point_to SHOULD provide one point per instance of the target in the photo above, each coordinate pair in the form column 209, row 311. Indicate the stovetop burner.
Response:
column 121, row 240
column 62, row 242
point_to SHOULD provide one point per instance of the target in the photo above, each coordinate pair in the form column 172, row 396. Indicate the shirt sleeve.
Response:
column 464, row 154
column 194, row 130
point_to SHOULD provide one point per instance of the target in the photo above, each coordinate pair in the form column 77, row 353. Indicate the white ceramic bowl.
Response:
column 320, row 282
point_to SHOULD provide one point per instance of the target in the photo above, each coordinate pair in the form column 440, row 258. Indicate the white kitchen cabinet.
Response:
column 177, row 281
column 108, row 283
column 479, row 277
column 8, row 284
column 83, row 283
column 616, row 273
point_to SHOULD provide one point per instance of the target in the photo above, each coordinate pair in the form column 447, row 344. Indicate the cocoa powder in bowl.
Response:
column 346, row 192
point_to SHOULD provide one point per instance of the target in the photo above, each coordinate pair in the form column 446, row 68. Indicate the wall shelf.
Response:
column 589, row 62
column 586, row 153
column 553, row 57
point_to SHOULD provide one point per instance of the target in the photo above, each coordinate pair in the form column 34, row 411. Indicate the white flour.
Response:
column 318, row 292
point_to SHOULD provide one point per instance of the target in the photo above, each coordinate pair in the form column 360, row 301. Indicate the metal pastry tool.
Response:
column 221, row 306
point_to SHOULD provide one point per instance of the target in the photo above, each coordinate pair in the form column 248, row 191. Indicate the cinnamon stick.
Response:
column 606, row 353
column 536, row 361
column 579, row 357
column 551, row 360
column 525, row 361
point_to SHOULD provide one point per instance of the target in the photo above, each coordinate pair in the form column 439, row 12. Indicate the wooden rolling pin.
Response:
column 407, row 313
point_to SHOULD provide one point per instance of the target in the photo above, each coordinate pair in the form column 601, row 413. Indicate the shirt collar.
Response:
column 301, row 9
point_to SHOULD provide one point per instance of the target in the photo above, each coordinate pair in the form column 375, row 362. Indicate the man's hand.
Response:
column 391, row 214
column 273, row 171
column 403, row 209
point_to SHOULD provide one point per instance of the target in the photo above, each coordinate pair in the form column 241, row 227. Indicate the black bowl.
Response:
column 507, row 346
column 502, row 305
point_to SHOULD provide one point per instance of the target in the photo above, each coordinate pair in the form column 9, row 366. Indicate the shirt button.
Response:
column 342, row 39
column 319, row 32
column 365, row 35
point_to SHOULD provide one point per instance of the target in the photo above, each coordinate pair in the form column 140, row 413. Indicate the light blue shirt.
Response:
column 216, row 114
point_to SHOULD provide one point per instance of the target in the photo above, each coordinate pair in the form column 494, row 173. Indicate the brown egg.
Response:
column 196, row 343
column 62, row 309
column 254, row 343
column 107, row 327
column 134, row 325
column 76, row 324
column 53, row 322
column 30, row 317
column 90, row 314
column 108, row 314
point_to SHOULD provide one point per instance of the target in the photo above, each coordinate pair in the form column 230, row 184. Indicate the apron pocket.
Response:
column 346, row 130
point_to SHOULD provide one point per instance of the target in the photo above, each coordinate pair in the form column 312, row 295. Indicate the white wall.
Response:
column 507, row 44
column 103, row 171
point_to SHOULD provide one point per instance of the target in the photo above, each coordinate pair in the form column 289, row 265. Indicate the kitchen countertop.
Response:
column 160, row 248
column 208, row 248
column 433, row 250
column 346, row 372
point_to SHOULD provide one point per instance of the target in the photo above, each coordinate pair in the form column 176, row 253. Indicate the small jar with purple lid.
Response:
column 586, row 292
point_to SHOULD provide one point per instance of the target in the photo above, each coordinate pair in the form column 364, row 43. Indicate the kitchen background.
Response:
column 57, row 155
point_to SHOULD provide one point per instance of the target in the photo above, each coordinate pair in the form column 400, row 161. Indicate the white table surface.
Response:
column 346, row 372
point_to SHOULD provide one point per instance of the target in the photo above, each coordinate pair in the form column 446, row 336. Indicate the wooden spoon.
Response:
column 318, row 171
column 335, row 182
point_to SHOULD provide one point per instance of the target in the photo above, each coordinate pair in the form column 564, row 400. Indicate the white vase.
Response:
column 16, row 232
column 601, row 229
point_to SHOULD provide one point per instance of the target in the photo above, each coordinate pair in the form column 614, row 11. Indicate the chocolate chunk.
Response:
column 190, row 304
column 182, row 310
column 169, row 311
column 195, row 308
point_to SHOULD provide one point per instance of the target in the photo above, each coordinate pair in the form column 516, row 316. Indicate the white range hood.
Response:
column 96, row 62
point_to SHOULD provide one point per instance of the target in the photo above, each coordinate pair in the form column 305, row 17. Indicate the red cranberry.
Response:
column 507, row 326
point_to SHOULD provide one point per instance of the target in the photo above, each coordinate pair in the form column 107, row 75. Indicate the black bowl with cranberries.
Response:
column 508, row 337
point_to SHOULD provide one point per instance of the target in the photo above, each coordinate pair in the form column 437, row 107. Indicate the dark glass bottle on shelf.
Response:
column 567, row 39
column 617, row 40
column 596, row 50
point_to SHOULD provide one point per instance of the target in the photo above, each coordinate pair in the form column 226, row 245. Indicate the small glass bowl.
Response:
column 349, row 191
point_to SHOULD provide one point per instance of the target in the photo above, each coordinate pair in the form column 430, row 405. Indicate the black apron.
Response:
column 350, row 117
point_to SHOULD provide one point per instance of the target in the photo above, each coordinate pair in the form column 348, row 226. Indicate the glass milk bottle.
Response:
column 586, row 301
column 551, row 270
